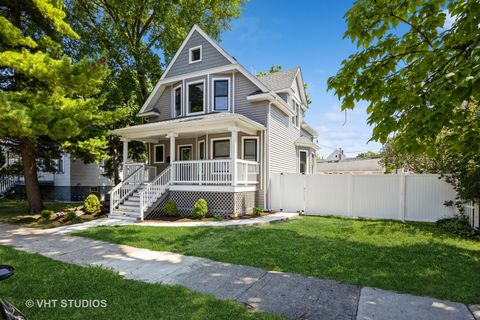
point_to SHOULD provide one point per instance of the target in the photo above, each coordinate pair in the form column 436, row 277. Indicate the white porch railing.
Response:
column 247, row 172
column 122, row 190
column 154, row 190
column 130, row 168
column 216, row 172
column 6, row 182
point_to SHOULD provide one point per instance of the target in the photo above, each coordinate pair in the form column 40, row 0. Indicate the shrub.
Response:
column 170, row 208
column 216, row 216
column 458, row 226
column 71, row 216
column 92, row 205
column 200, row 209
column 257, row 211
column 46, row 215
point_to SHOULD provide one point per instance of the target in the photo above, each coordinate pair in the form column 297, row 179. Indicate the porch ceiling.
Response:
column 190, row 126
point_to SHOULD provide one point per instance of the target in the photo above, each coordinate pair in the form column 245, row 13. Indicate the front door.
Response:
column 185, row 153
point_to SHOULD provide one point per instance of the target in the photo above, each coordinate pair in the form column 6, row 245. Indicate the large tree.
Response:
column 139, row 37
column 46, row 99
column 418, row 67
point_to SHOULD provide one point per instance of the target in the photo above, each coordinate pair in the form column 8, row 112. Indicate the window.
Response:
column 201, row 150
column 250, row 149
column 221, row 149
column 177, row 101
column 60, row 165
column 195, row 54
column 196, row 98
column 220, row 94
column 159, row 153
column 185, row 152
column 296, row 111
column 303, row 162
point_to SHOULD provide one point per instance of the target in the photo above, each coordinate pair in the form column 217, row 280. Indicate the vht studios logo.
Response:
column 66, row 303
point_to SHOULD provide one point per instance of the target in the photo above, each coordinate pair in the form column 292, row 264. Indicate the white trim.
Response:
column 243, row 145
column 187, row 85
column 306, row 159
column 296, row 109
column 155, row 152
column 204, row 149
column 212, row 91
column 149, row 114
column 174, row 115
column 184, row 145
column 209, row 188
column 218, row 139
column 233, row 91
column 190, row 61
column 208, row 95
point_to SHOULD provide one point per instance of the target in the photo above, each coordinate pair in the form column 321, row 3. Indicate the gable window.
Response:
column 196, row 97
column 250, row 149
column 195, row 54
column 221, row 149
column 221, row 94
column 177, row 101
column 159, row 153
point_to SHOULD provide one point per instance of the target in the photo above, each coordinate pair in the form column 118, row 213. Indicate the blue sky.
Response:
column 309, row 35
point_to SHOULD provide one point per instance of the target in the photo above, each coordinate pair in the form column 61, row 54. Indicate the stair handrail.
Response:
column 125, row 188
column 6, row 183
column 154, row 190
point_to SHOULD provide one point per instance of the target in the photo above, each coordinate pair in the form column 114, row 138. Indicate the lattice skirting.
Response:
column 226, row 204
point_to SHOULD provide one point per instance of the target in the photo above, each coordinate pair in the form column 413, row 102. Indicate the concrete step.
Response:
column 126, row 213
column 129, row 209
column 130, row 202
column 122, row 217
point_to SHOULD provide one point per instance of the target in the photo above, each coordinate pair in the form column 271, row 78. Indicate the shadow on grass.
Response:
column 410, row 258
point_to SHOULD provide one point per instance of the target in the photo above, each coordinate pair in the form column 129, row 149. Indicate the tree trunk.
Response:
column 32, row 188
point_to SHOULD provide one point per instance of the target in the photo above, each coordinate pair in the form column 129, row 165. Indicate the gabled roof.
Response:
column 282, row 79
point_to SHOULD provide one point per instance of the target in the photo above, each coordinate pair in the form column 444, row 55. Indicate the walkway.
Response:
column 292, row 295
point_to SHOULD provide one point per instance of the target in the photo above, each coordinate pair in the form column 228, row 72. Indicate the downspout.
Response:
column 267, row 159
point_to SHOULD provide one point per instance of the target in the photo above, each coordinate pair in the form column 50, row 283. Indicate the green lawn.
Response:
column 38, row 277
column 16, row 212
column 413, row 258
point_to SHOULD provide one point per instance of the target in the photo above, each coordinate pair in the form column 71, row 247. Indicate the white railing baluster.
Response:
column 154, row 190
column 122, row 190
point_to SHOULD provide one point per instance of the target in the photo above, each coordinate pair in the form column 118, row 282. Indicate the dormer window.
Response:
column 195, row 54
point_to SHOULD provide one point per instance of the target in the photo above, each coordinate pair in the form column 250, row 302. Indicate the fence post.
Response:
column 350, row 195
column 305, row 193
column 281, row 191
column 402, row 196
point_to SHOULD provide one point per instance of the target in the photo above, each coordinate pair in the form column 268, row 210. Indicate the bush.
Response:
column 458, row 226
column 170, row 208
column 46, row 215
column 71, row 216
column 216, row 216
column 257, row 211
column 200, row 209
column 92, row 205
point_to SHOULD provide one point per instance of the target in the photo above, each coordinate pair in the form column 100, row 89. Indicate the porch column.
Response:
column 233, row 153
column 172, row 137
column 125, row 156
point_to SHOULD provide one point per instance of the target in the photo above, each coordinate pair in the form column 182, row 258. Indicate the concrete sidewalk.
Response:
column 292, row 295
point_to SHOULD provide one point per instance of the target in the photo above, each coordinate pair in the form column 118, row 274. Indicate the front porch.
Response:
column 216, row 156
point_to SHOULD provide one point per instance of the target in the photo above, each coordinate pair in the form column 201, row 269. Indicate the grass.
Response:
column 16, row 212
column 38, row 277
column 413, row 258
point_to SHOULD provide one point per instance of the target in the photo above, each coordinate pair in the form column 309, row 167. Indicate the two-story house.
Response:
column 214, row 131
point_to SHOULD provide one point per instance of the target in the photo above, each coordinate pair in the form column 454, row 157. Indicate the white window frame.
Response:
column 213, row 93
column 190, row 61
column 62, row 169
column 187, row 87
column 204, row 149
column 258, row 146
column 155, row 152
column 181, row 101
column 220, row 139
column 306, row 159
column 178, row 150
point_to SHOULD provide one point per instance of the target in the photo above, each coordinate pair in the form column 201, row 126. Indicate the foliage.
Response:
column 200, row 209
column 417, row 72
column 374, row 253
column 46, row 215
column 46, row 98
column 368, row 155
column 92, row 205
column 218, row 217
column 458, row 226
column 257, row 211
column 71, row 216
column 393, row 159
column 170, row 208
column 139, row 38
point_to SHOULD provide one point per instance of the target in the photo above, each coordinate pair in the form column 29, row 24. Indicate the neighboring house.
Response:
column 217, row 132
column 350, row 166
column 73, row 181
column 336, row 155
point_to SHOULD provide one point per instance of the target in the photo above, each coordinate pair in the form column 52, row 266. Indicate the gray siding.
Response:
column 82, row 174
column 211, row 57
column 282, row 149
column 257, row 111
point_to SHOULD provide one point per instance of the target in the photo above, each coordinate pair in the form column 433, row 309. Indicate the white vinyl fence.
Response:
column 412, row 197
column 472, row 212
